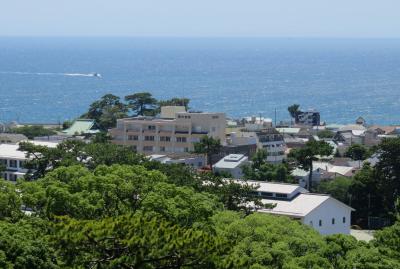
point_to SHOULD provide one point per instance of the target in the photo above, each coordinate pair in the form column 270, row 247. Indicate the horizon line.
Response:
column 201, row 37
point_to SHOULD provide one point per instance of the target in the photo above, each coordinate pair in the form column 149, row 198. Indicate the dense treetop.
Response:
column 99, row 205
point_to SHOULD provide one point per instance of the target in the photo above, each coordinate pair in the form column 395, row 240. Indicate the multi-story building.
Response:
column 272, row 141
column 175, row 131
column 13, row 160
column 309, row 117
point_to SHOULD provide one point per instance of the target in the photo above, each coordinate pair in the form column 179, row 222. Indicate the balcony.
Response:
column 181, row 131
column 200, row 132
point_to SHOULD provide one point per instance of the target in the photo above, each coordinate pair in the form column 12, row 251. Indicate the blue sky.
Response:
column 211, row 18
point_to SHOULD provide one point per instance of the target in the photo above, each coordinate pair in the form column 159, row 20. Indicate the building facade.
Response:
column 232, row 164
column 321, row 212
column 272, row 141
column 13, row 160
column 150, row 135
column 309, row 117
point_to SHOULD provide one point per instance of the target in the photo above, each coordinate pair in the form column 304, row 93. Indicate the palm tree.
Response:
column 294, row 112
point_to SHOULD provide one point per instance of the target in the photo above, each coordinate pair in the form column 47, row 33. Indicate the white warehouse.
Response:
column 322, row 212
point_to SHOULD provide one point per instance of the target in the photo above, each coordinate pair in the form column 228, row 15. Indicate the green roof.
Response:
column 82, row 126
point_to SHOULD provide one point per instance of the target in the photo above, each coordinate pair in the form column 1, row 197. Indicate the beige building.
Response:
column 174, row 131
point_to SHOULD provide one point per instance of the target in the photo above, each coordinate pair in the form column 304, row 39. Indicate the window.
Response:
column 133, row 137
column 148, row 148
column 181, row 139
column 165, row 138
column 162, row 149
column 311, row 223
column 265, row 194
column 21, row 164
column 151, row 127
column 215, row 117
column 186, row 149
column 281, row 195
column 12, row 177
column 199, row 164
column 333, row 221
column 13, row 163
column 320, row 223
column 344, row 219
column 3, row 162
column 149, row 138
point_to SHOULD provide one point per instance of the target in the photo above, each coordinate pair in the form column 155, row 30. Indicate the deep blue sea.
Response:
column 42, row 79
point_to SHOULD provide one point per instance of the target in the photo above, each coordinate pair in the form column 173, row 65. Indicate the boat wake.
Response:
column 54, row 74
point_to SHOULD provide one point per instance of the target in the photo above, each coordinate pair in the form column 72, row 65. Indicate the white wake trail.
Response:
column 51, row 74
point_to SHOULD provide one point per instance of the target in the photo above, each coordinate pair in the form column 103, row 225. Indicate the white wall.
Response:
column 326, row 212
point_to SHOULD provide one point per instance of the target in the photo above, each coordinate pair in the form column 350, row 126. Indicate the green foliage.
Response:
column 337, row 188
column 141, row 104
column 261, row 170
column 264, row 241
column 208, row 146
column 365, row 197
column 134, row 241
column 73, row 152
column 388, row 172
column 77, row 192
column 66, row 124
column 33, row 131
column 294, row 111
column 357, row 152
column 305, row 156
column 388, row 240
column 24, row 245
column 106, row 111
column 375, row 191
column 10, row 201
column 233, row 195
column 98, row 205
column 325, row 134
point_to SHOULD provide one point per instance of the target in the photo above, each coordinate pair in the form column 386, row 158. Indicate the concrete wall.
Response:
column 330, row 209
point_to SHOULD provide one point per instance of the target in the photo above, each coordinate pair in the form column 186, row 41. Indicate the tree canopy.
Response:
column 208, row 146
column 98, row 205
column 142, row 103
column 307, row 155
column 33, row 131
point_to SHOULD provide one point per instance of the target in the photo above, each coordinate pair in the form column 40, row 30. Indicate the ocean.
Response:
column 47, row 80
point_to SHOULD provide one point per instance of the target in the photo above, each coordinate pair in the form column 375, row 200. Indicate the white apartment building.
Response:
column 272, row 141
column 174, row 131
column 14, row 159
column 321, row 212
